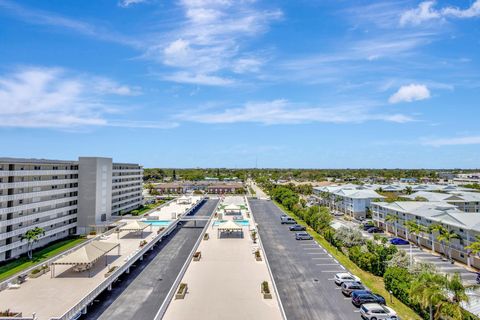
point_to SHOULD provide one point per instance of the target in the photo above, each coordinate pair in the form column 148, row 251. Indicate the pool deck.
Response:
column 51, row 297
column 225, row 283
column 169, row 211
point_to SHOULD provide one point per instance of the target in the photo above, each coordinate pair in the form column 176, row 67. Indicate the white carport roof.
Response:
column 88, row 254
column 134, row 225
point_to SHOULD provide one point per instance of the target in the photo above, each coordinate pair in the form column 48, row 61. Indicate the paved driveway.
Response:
column 303, row 270
column 140, row 294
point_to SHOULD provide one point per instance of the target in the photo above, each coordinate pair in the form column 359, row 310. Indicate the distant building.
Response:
column 467, row 178
column 62, row 197
column 214, row 187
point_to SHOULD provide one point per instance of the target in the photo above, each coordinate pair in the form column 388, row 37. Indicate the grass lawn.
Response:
column 146, row 208
column 11, row 268
column 375, row 283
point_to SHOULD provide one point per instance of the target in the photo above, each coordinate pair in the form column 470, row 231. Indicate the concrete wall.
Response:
column 95, row 191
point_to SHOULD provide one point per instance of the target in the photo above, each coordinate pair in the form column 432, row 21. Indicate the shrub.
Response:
column 398, row 280
column 265, row 287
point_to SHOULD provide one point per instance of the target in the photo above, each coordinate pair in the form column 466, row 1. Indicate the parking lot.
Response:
column 303, row 270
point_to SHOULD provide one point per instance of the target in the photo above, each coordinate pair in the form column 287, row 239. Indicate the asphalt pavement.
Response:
column 303, row 270
column 140, row 294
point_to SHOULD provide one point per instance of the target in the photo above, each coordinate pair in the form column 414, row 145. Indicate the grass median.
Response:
column 373, row 282
column 11, row 268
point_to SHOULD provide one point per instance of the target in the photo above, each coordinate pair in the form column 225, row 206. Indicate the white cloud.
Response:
column 211, row 40
column 55, row 98
column 284, row 112
column 200, row 79
column 409, row 93
column 127, row 3
column 40, row 17
column 426, row 12
column 467, row 140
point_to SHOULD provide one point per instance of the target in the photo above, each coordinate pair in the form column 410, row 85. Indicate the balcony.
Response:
column 27, row 184
column 37, row 205
column 20, row 231
column 28, row 195
column 24, row 173
column 31, row 217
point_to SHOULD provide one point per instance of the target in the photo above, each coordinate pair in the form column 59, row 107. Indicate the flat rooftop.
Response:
column 225, row 283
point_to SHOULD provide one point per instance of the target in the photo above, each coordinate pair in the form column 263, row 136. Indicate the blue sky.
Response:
column 209, row 83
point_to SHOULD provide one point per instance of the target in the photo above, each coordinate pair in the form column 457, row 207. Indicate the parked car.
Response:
column 365, row 227
column 374, row 230
column 297, row 227
column 374, row 311
column 303, row 236
column 350, row 286
column 398, row 241
column 345, row 276
column 288, row 220
column 361, row 298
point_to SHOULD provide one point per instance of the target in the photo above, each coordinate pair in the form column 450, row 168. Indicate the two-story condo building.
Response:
column 466, row 225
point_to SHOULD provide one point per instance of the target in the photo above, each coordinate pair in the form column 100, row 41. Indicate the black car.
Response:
column 368, row 226
column 297, row 227
column 359, row 298
column 374, row 230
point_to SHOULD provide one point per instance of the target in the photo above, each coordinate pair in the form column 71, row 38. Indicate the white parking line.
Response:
column 310, row 248
column 327, row 264
column 336, row 271
column 315, row 253
column 343, row 267
column 323, row 259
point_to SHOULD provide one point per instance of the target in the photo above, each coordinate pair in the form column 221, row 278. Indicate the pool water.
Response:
column 162, row 223
column 240, row 222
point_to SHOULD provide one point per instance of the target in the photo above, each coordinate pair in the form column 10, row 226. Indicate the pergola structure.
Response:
column 229, row 227
column 134, row 226
column 85, row 257
column 232, row 209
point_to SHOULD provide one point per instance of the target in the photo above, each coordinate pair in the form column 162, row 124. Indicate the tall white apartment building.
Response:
column 62, row 197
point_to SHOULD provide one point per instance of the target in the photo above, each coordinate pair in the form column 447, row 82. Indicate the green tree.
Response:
column 416, row 229
column 393, row 220
column 428, row 290
column 445, row 237
column 456, row 294
column 32, row 236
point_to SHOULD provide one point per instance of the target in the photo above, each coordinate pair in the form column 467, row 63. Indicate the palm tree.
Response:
column 417, row 229
column 32, row 236
column 393, row 219
column 428, row 290
column 445, row 237
column 408, row 190
column 456, row 295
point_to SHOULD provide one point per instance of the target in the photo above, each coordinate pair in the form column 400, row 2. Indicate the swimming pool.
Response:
column 161, row 223
column 240, row 222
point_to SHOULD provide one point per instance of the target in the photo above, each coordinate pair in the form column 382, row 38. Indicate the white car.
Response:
column 374, row 311
column 345, row 276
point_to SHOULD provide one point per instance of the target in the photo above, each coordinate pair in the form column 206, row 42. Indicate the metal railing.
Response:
column 83, row 303
column 4, row 283
column 163, row 308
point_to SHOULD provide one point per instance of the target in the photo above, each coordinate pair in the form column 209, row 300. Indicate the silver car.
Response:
column 303, row 236
column 374, row 311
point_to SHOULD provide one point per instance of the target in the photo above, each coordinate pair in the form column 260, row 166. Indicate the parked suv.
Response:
column 288, row 220
column 345, row 276
column 374, row 311
column 360, row 297
column 303, row 236
column 350, row 286
column 297, row 227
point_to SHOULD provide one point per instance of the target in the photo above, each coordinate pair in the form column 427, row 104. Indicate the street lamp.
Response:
column 391, row 297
